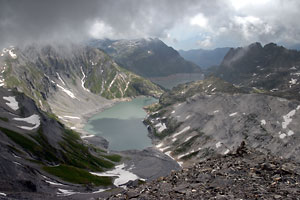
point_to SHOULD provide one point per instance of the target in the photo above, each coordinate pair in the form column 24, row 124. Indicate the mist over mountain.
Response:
column 205, row 58
column 151, row 58
column 271, row 68
column 146, row 57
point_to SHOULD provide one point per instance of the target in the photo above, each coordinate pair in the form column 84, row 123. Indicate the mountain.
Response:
column 41, row 158
column 46, row 95
column 269, row 68
column 198, row 120
column 70, row 81
column 294, row 47
column 205, row 58
column 149, row 58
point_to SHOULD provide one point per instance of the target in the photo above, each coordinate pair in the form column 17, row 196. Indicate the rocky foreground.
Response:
column 244, row 174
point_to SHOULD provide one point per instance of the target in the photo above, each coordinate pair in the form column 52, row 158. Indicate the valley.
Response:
column 78, row 112
column 148, row 100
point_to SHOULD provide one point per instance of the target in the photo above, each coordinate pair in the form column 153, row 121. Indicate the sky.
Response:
column 182, row 24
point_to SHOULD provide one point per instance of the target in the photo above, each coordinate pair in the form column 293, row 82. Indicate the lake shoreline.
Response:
column 124, row 117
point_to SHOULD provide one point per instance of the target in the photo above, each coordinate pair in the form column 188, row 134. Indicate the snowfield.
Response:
column 13, row 104
column 123, row 175
column 33, row 119
column 182, row 131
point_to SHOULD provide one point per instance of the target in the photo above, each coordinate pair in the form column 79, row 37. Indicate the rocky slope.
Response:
column 205, row 58
column 149, row 58
column 40, row 157
column 241, row 174
column 197, row 120
column 71, row 81
column 268, row 68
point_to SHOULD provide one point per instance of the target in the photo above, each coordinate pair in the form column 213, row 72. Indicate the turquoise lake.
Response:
column 122, row 125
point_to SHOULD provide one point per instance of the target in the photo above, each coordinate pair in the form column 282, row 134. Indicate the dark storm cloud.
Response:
column 56, row 20
column 27, row 21
column 35, row 20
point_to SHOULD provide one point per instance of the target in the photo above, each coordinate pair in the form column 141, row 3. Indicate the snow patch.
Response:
column 54, row 183
column 226, row 152
column 213, row 89
column 12, row 54
column 290, row 133
column 87, row 136
column 13, row 104
column 185, row 154
column 33, row 119
column 263, row 122
column 112, row 82
column 233, row 114
column 2, row 194
column 68, row 92
column 17, row 163
column 161, row 127
column 60, row 78
column 83, row 81
column 288, row 119
column 123, row 175
column 268, row 75
column 216, row 111
column 182, row 131
column 163, row 149
column 101, row 190
column 187, row 139
column 292, row 82
column 173, row 112
column 218, row 144
column 187, row 117
column 71, row 117
column 159, row 145
column 282, row 135
column 63, row 192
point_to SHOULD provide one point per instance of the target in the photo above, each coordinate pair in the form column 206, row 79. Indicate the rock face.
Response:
column 150, row 58
column 205, row 58
column 71, row 70
column 269, row 68
column 71, row 81
column 191, row 126
column 39, row 156
column 244, row 174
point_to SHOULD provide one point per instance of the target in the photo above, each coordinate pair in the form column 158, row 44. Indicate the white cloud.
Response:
column 100, row 30
column 240, row 4
column 199, row 20
column 206, row 43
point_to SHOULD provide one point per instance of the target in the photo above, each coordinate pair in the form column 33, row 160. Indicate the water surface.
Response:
column 122, row 125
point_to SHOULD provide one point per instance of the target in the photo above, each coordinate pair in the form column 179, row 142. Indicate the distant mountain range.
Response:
column 146, row 57
column 205, row 58
column 150, row 58
column 270, row 68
